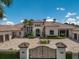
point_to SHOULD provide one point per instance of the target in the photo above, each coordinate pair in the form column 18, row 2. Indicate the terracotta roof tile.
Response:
column 24, row 45
column 10, row 27
column 61, row 45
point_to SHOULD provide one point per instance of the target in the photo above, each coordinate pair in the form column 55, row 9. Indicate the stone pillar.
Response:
column 24, row 50
column 77, row 37
column 10, row 36
column 74, row 55
column 4, row 38
column 22, row 34
column 61, row 50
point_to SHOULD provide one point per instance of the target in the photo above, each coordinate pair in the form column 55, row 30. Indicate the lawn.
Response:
column 9, row 55
column 15, row 55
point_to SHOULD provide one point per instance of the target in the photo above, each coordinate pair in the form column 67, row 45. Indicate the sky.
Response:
column 62, row 10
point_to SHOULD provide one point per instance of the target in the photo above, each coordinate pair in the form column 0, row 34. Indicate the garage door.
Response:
column 1, row 38
column 42, row 52
column 6, row 37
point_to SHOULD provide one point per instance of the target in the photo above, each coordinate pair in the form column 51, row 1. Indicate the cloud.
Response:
column 4, row 19
column 49, row 19
column 77, row 17
column 22, row 21
column 71, row 20
column 61, row 9
column 69, row 14
column 7, row 23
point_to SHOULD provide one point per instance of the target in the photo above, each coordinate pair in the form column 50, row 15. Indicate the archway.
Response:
column 38, row 32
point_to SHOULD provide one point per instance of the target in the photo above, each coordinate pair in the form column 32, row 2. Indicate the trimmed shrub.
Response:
column 54, row 37
column 44, row 41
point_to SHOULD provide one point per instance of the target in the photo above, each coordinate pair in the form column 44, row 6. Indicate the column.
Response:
column 24, row 50
column 22, row 34
column 61, row 51
column 4, row 38
column 10, row 36
column 77, row 37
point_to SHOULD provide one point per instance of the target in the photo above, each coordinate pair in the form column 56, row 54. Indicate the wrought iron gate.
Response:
column 42, row 52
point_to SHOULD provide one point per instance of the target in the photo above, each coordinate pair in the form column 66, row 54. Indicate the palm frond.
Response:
column 7, row 2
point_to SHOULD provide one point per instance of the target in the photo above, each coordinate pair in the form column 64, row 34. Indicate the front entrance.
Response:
column 37, row 32
column 42, row 52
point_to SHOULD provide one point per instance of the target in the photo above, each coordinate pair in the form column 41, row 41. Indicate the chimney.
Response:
column 54, row 20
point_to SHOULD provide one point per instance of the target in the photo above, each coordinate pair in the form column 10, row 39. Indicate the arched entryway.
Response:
column 38, row 32
column 42, row 52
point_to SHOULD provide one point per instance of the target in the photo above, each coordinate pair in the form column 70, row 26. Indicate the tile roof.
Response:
column 47, row 24
column 61, row 45
column 58, row 25
column 24, row 45
column 10, row 27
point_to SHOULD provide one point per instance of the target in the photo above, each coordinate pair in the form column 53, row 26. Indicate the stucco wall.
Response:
column 19, row 33
column 24, row 53
column 61, row 54
column 34, row 30
column 70, row 33
column 4, row 33
column 47, row 30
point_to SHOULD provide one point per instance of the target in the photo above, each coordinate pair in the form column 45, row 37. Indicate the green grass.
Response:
column 9, row 55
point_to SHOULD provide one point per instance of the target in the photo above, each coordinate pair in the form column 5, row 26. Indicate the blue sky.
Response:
column 39, row 9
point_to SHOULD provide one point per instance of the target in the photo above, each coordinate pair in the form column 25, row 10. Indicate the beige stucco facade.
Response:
column 6, row 33
column 47, row 30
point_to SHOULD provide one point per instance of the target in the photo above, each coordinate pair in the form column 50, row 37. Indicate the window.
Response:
column 19, row 33
column 61, row 52
column 51, row 32
column 37, row 25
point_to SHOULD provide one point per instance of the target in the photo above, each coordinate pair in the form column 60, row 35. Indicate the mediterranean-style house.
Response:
column 38, row 29
column 31, row 49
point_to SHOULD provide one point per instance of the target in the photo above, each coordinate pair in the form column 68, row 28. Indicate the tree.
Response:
column 43, row 33
column 30, row 22
column 4, row 3
column 25, row 21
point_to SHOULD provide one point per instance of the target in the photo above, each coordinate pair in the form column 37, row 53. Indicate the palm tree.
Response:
column 44, row 20
column 4, row 3
column 25, row 22
column 28, row 23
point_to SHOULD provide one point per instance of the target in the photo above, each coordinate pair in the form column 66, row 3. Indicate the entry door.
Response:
column 42, row 52
column 37, row 32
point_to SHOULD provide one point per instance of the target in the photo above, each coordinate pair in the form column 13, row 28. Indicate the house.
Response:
column 38, row 29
